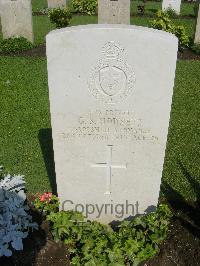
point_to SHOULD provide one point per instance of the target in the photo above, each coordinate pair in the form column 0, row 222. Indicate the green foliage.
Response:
column 46, row 203
column 12, row 45
column 91, row 243
column 183, row 38
column 163, row 22
column 196, row 8
column 196, row 48
column 84, row 6
column 15, row 220
column 38, row 4
column 43, row 11
column 61, row 17
column 171, row 13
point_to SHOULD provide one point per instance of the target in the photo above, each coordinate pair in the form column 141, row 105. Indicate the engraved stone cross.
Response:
column 109, row 166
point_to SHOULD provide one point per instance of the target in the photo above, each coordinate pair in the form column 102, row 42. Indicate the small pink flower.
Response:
column 46, row 197
column 42, row 198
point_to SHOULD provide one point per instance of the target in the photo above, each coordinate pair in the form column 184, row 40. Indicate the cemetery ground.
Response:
column 26, row 142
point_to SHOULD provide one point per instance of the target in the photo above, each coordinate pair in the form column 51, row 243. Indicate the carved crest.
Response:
column 112, row 79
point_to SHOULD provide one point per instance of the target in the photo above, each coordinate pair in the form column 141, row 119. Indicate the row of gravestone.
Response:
column 110, row 89
column 16, row 16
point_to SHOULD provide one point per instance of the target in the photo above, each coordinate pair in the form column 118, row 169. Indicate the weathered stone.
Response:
column 16, row 19
column 110, row 101
column 56, row 3
column 171, row 4
column 197, row 33
column 114, row 11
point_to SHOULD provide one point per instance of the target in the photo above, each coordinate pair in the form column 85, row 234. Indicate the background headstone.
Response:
column 56, row 3
column 172, row 4
column 114, row 11
column 110, row 101
column 197, row 33
column 16, row 19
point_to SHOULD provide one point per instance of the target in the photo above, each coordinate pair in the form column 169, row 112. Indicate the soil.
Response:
column 182, row 246
column 39, row 247
column 40, row 51
column 139, row 14
column 188, row 54
column 39, row 13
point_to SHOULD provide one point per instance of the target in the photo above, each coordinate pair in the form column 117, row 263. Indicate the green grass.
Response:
column 189, row 24
column 37, row 5
column 24, row 112
column 25, row 137
column 42, row 25
column 181, row 176
column 152, row 7
column 25, row 123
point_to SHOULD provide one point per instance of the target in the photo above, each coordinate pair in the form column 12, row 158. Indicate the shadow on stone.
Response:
column 115, row 223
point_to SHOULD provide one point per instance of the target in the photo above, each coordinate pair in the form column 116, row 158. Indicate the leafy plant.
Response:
column 91, row 243
column 196, row 48
column 163, row 22
column 15, row 222
column 61, row 17
column 13, row 45
column 46, row 203
column 44, row 11
column 171, row 12
column 88, row 7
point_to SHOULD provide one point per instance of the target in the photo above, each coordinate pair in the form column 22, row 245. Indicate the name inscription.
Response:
column 109, row 125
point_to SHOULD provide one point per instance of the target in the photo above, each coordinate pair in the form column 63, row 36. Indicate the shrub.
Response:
column 84, row 6
column 171, row 12
column 44, row 11
column 46, row 203
column 12, row 45
column 91, row 243
column 14, row 219
column 196, row 48
column 163, row 22
column 61, row 17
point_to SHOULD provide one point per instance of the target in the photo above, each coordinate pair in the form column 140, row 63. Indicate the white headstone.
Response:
column 16, row 19
column 110, row 99
column 56, row 3
column 197, row 33
column 114, row 11
column 172, row 4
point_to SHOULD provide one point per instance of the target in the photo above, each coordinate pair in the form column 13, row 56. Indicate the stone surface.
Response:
column 114, row 11
column 110, row 98
column 16, row 19
column 173, row 4
column 56, row 3
column 197, row 33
